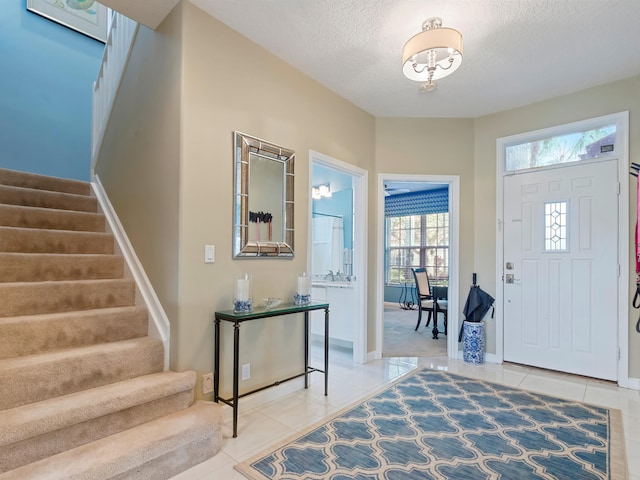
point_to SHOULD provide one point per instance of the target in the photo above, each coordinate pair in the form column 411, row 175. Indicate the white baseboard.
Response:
column 631, row 383
column 489, row 358
column 158, row 321
column 332, row 341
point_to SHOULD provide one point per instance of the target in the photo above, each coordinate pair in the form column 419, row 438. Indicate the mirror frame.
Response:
column 244, row 146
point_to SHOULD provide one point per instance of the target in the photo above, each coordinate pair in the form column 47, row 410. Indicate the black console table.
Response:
column 258, row 313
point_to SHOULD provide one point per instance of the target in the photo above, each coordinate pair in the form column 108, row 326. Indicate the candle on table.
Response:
column 303, row 285
column 243, row 289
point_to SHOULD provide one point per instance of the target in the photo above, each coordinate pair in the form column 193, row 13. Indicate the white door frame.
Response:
column 454, row 254
column 622, row 154
column 360, row 182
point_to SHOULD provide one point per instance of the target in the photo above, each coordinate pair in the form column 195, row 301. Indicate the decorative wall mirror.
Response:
column 263, row 198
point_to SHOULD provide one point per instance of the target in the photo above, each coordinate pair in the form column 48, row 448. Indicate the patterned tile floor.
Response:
column 265, row 425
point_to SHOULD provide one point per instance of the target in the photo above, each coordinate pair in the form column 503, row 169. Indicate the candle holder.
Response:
column 302, row 296
column 242, row 301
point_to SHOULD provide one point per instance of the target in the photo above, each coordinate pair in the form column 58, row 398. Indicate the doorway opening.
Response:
column 338, row 250
column 438, row 253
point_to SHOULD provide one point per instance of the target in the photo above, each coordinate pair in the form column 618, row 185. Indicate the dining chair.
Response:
column 428, row 302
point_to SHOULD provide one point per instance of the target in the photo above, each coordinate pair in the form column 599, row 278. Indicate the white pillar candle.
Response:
column 303, row 285
column 243, row 289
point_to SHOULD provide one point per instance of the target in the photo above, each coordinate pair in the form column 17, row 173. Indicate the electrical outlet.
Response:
column 246, row 371
column 207, row 383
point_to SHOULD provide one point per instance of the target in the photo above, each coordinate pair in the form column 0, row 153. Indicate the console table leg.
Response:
column 306, row 349
column 236, row 354
column 326, row 351
column 216, row 360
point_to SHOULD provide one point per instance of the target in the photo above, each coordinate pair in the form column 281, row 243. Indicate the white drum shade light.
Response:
column 432, row 54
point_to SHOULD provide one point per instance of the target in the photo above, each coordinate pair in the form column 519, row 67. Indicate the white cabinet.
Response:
column 341, row 313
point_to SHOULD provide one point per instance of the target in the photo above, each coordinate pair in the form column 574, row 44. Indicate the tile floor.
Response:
column 264, row 426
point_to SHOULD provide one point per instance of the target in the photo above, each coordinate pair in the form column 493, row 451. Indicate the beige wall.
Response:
column 430, row 146
column 139, row 160
column 606, row 99
column 167, row 166
column 230, row 83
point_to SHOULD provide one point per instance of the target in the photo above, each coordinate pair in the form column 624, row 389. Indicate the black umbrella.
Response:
column 478, row 304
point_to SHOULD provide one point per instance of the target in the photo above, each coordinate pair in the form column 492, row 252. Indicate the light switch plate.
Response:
column 209, row 254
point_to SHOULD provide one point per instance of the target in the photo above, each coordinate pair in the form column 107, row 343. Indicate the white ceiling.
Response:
column 516, row 52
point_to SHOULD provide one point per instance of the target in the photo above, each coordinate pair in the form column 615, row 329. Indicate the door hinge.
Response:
column 618, row 270
column 618, row 353
column 619, row 188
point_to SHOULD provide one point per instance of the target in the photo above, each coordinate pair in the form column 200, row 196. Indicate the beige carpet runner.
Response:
column 83, row 393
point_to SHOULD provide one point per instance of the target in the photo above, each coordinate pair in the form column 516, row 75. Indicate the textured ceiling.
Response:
column 516, row 52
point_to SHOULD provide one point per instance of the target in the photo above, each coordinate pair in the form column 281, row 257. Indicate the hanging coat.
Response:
column 478, row 304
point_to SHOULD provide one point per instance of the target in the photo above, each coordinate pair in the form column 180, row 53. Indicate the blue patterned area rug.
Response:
column 436, row 425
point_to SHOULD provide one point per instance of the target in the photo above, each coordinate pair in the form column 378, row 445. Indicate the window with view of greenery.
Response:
column 415, row 241
column 571, row 147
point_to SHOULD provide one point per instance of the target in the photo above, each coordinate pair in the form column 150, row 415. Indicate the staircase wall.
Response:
column 138, row 164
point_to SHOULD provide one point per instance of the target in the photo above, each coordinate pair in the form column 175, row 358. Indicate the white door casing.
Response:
column 561, row 306
column 359, row 178
column 453, row 182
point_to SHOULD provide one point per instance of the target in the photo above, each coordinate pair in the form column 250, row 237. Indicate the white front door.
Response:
column 561, row 268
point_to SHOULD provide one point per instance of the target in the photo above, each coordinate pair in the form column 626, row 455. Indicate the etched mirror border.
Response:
column 244, row 146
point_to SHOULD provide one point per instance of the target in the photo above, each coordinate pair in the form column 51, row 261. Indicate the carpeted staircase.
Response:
column 83, row 393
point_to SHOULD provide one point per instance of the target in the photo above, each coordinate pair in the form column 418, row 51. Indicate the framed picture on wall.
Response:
column 85, row 16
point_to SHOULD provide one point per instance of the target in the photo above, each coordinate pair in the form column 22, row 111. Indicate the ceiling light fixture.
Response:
column 432, row 54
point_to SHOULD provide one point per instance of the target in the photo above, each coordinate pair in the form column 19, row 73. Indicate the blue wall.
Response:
column 341, row 205
column 46, row 77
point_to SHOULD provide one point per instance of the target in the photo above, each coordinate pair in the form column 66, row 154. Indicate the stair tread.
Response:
column 33, row 378
column 91, row 281
column 37, row 240
column 33, row 267
column 51, row 218
column 46, row 255
column 27, row 421
column 50, row 296
column 43, row 182
column 51, row 211
column 122, row 452
column 48, row 230
column 64, row 315
column 14, row 195
column 45, row 332
column 67, row 353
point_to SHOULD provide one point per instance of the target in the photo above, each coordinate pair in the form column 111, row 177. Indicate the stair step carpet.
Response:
column 156, row 449
column 65, row 422
column 10, row 195
column 28, row 298
column 38, row 267
column 84, row 394
column 29, row 240
column 31, row 334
